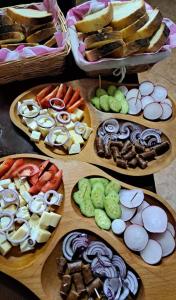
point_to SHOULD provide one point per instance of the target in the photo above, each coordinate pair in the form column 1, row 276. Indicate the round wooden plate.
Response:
column 94, row 118
column 38, row 271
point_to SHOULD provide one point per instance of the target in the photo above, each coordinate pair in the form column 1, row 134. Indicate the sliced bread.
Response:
column 131, row 29
column 11, row 37
column 100, row 39
column 126, row 13
column 5, row 20
column 153, row 24
column 28, row 16
column 158, row 40
column 14, row 46
column 11, row 28
column 95, row 21
column 41, row 35
column 104, row 51
column 34, row 28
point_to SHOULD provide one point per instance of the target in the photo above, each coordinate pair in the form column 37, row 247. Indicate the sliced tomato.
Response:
column 54, row 183
column 6, row 165
column 18, row 163
column 35, row 189
column 34, row 178
column 26, row 170
column 53, row 169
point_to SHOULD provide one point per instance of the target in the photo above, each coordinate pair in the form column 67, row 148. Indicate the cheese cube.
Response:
column 22, row 189
column 43, row 111
column 12, row 186
column 44, row 131
column 25, row 246
column 4, row 222
column 34, row 220
column 54, row 219
column 76, row 138
column 18, row 106
column 75, row 148
column 11, row 208
column 53, row 113
column 2, row 237
column 1, row 188
column 35, row 136
column 5, row 248
column 22, row 201
column 40, row 235
column 27, row 186
column 32, row 125
column 79, row 114
column 70, row 125
column 49, row 219
column 5, row 182
column 87, row 133
column 23, row 213
column 68, row 144
column 73, row 117
column 61, row 138
column 20, row 232
column 17, row 182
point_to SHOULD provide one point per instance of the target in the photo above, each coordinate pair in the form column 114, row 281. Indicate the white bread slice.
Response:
column 158, row 40
column 95, row 21
column 41, row 35
column 127, row 13
column 14, row 46
column 11, row 37
column 100, row 39
column 34, row 28
column 131, row 48
column 28, row 16
column 153, row 24
column 131, row 29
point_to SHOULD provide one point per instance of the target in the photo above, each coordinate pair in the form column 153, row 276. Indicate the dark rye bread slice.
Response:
column 11, row 37
column 132, row 28
column 104, row 51
column 11, row 28
column 14, row 46
column 100, row 39
column 41, row 35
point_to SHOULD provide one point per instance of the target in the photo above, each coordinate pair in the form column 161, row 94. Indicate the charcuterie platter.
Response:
column 37, row 268
column 134, row 117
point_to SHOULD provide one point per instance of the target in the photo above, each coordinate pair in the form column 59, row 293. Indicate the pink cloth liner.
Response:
column 21, row 52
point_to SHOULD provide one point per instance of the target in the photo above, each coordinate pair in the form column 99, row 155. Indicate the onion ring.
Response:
column 6, row 196
column 55, row 106
column 80, row 128
column 22, row 239
column 53, row 131
column 38, row 119
column 54, row 193
column 39, row 211
column 60, row 118
column 111, row 126
column 26, row 103
column 6, row 214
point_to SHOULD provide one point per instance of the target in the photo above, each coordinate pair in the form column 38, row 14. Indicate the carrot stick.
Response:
column 61, row 91
column 44, row 92
column 68, row 95
column 18, row 163
column 74, row 98
column 33, row 179
column 77, row 104
column 6, row 165
column 45, row 101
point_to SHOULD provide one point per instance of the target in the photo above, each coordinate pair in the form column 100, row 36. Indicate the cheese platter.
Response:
column 38, row 270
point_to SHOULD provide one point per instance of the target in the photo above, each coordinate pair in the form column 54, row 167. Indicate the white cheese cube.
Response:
column 22, row 189
column 2, row 237
column 25, row 246
column 5, row 248
column 11, row 209
column 32, row 125
column 35, row 136
column 87, row 133
column 4, row 222
column 44, row 131
column 74, row 149
column 5, row 182
column 43, row 111
column 20, row 232
column 49, row 219
column 54, row 219
column 22, row 201
column 34, row 220
column 68, row 144
column 27, row 186
column 73, row 117
column 12, row 186
column 79, row 114
column 40, row 235
column 61, row 138
column 70, row 125
column 23, row 213
column 17, row 182
column 76, row 138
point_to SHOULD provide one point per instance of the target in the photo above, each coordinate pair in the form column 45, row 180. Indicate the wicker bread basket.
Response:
column 38, row 66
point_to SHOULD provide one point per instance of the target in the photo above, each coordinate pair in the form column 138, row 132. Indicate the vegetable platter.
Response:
column 159, row 120
column 38, row 269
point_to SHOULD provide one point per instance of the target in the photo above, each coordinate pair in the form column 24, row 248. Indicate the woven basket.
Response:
column 38, row 66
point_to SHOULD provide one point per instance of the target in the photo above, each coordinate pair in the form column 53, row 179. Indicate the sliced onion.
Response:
column 124, row 135
column 52, row 193
column 153, row 111
column 60, row 117
column 80, row 128
column 10, row 196
column 167, row 111
column 60, row 129
column 80, row 243
column 133, row 93
column 42, row 124
column 131, row 198
column 67, row 245
column 132, row 282
column 31, row 103
column 19, row 220
column 119, row 263
column 106, row 138
column 135, row 106
column 37, row 211
column 152, row 253
column 101, row 132
column 9, row 225
column 159, row 93
column 146, row 88
column 135, row 135
column 111, row 287
column 57, row 104
column 101, row 270
column 149, row 133
column 124, row 294
column 146, row 100
column 101, row 260
column 130, row 125
column 98, row 248
column 111, row 126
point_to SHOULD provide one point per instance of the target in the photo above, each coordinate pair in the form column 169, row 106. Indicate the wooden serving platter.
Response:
column 37, row 270
column 94, row 118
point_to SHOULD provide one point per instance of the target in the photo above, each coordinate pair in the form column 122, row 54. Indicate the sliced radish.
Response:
column 146, row 100
column 153, row 111
column 136, row 237
column 159, row 93
column 127, row 213
column 146, row 88
column 131, row 198
column 167, row 111
column 135, row 106
column 170, row 227
column 133, row 93
column 154, row 219
column 118, row 226
column 166, row 241
column 168, row 101
column 123, row 89
column 152, row 253
column 137, row 219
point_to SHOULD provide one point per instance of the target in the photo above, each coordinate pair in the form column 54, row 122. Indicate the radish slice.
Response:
column 159, row 93
column 146, row 100
column 123, row 89
column 153, row 111
column 168, row 101
column 167, row 111
column 135, row 106
column 154, row 219
column 170, row 227
column 136, row 237
column 118, row 226
column 137, row 219
column 131, row 198
column 166, row 241
column 127, row 213
column 133, row 93
column 152, row 253
column 146, row 88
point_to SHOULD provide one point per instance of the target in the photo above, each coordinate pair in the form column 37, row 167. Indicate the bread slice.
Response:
column 131, row 48
column 11, row 37
column 51, row 42
column 131, row 29
column 106, row 29
column 95, row 21
column 100, row 39
column 126, row 13
column 14, row 46
column 34, row 28
column 41, row 35
column 104, row 51
column 28, row 16
column 11, row 28
column 153, row 24
column 158, row 40
column 5, row 20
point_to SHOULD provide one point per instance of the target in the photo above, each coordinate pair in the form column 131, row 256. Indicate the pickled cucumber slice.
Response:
column 125, row 107
column 119, row 96
column 104, row 103
column 97, row 195
column 100, row 92
column 114, row 104
column 102, row 219
column 86, row 206
column 111, row 90
column 94, row 180
column 96, row 102
column 111, row 206
column 112, row 186
column 78, row 197
column 84, row 185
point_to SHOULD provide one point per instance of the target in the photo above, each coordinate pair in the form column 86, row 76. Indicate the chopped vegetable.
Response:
column 102, row 219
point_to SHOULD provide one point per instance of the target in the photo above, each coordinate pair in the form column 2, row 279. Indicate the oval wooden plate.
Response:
column 37, row 270
column 94, row 118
